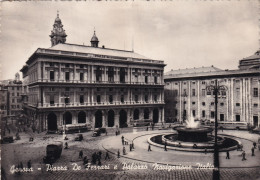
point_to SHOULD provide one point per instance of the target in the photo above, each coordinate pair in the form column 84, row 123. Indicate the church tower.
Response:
column 94, row 40
column 58, row 34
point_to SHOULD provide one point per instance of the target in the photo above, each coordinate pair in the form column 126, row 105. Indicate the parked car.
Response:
column 97, row 132
column 7, row 139
column 79, row 137
column 53, row 152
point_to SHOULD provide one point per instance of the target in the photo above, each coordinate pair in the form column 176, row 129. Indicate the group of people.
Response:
column 240, row 148
column 95, row 158
column 124, row 142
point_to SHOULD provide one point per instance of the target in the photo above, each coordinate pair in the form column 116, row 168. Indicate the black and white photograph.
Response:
column 130, row 89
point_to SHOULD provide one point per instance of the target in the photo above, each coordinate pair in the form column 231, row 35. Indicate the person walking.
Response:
column 165, row 146
column 227, row 157
column 107, row 156
column 124, row 151
column 118, row 154
column 80, row 154
column 243, row 156
column 123, row 140
column 149, row 148
column 29, row 164
column 254, row 144
column 99, row 154
column 205, row 150
column 253, row 151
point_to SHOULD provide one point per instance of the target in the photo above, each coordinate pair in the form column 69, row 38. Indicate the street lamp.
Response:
column 184, row 102
column 64, row 120
column 216, row 89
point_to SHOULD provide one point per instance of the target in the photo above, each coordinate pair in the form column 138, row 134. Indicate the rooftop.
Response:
column 254, row 56
column 193, row 70
column 96, row 50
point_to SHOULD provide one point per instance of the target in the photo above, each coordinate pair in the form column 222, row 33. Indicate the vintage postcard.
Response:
column 130, row 90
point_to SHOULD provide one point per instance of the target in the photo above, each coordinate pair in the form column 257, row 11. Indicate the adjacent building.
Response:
column 70, row 85
column 189, row 95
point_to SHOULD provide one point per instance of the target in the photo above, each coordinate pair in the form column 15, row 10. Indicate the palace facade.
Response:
column 76, row 85
column 189, row 96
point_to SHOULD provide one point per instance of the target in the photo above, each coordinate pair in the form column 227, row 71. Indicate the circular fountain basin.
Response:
column 193, row 134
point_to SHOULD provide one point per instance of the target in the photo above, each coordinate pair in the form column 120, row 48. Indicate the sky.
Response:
column 184, row 34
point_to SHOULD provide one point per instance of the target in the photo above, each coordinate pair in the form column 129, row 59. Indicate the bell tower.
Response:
column 58, row 34
column 94, row 40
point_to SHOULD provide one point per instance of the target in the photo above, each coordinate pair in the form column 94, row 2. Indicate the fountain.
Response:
column 192, row 132
column 193, row 137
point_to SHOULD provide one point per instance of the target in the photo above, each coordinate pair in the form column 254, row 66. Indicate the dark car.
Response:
column 7, row 139
column 79, row 137
column 53, row 152
column 97, row 132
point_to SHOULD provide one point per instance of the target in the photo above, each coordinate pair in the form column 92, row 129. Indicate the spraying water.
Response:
column 191, row 123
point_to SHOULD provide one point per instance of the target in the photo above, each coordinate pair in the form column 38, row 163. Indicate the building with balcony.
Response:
column 189, row 97
column 73, row 85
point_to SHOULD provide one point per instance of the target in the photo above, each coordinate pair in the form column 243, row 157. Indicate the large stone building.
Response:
column 10, row 97
column 189, row 97
column 74, row 85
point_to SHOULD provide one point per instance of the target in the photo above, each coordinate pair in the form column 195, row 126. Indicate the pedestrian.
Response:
column 133, row 145
column 29, row 164
column 253, row 151
column 85, row 160
column 94, row 158
column 124, row 151
column 99, row 154
column 116, row 133
column 130, row 147
column 254, row 144
column 9, row 130
column 243, row 155
column 227, row 157
column 123, row 140
column 66, row 145
column 149, row 148
column 147, row 128
column 165, row 146
column 107, row 156
column 118, row 154
column 106, row 132
column 205, row 150
column 80, row 154
column 99, row 162
column 21, row 165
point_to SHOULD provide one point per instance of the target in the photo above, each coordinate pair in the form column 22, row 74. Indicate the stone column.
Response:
column 198, row 91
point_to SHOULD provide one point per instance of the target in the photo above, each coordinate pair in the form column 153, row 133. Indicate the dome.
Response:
column 94, row 37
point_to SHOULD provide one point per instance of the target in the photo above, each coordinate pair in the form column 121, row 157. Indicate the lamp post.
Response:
column 216, row 89
column 184, row 102
column 64, row 119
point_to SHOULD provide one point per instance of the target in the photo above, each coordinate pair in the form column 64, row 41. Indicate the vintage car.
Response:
column 7, row 139
column 97, row 132
column 79, row 137
column 53, row 152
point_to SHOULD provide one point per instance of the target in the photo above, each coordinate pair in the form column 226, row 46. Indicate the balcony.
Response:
column 93, row 104
column 96, row 82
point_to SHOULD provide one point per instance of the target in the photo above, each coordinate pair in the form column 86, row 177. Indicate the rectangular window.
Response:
column 17, row 94
column 155, row 79
column 81, row 76
column 238, row 118
column 193, row 103
column 176, row 112
column 237, row 104
column 67, row 89
column 223, row 93
column 81, row 89
column 222, row 117
column 203, row 103
column 255, row 94
column 12, row 100
column 81, row 99
column 203, row 92
column 155, row 98
column 98, row 99
column 51, row 100
column 203, row 114
column 193, row 113
column 212, row 114
column 136, row 98
column 67, row 65
column 122, row 99
column 67, row 100
column 212, row 103
column 18, row 107
column 203, row 82
column 221, row 104
column 193, row 92
column 110, row 99
column 67, row 76
column 146, row 79
column 255, row 105
column 208, row 92
column 110, row 74
column 18, row 88
column 146, row 98
column 51, row 75
column 51, row 88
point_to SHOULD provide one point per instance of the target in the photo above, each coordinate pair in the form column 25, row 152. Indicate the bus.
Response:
column 233, row 125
